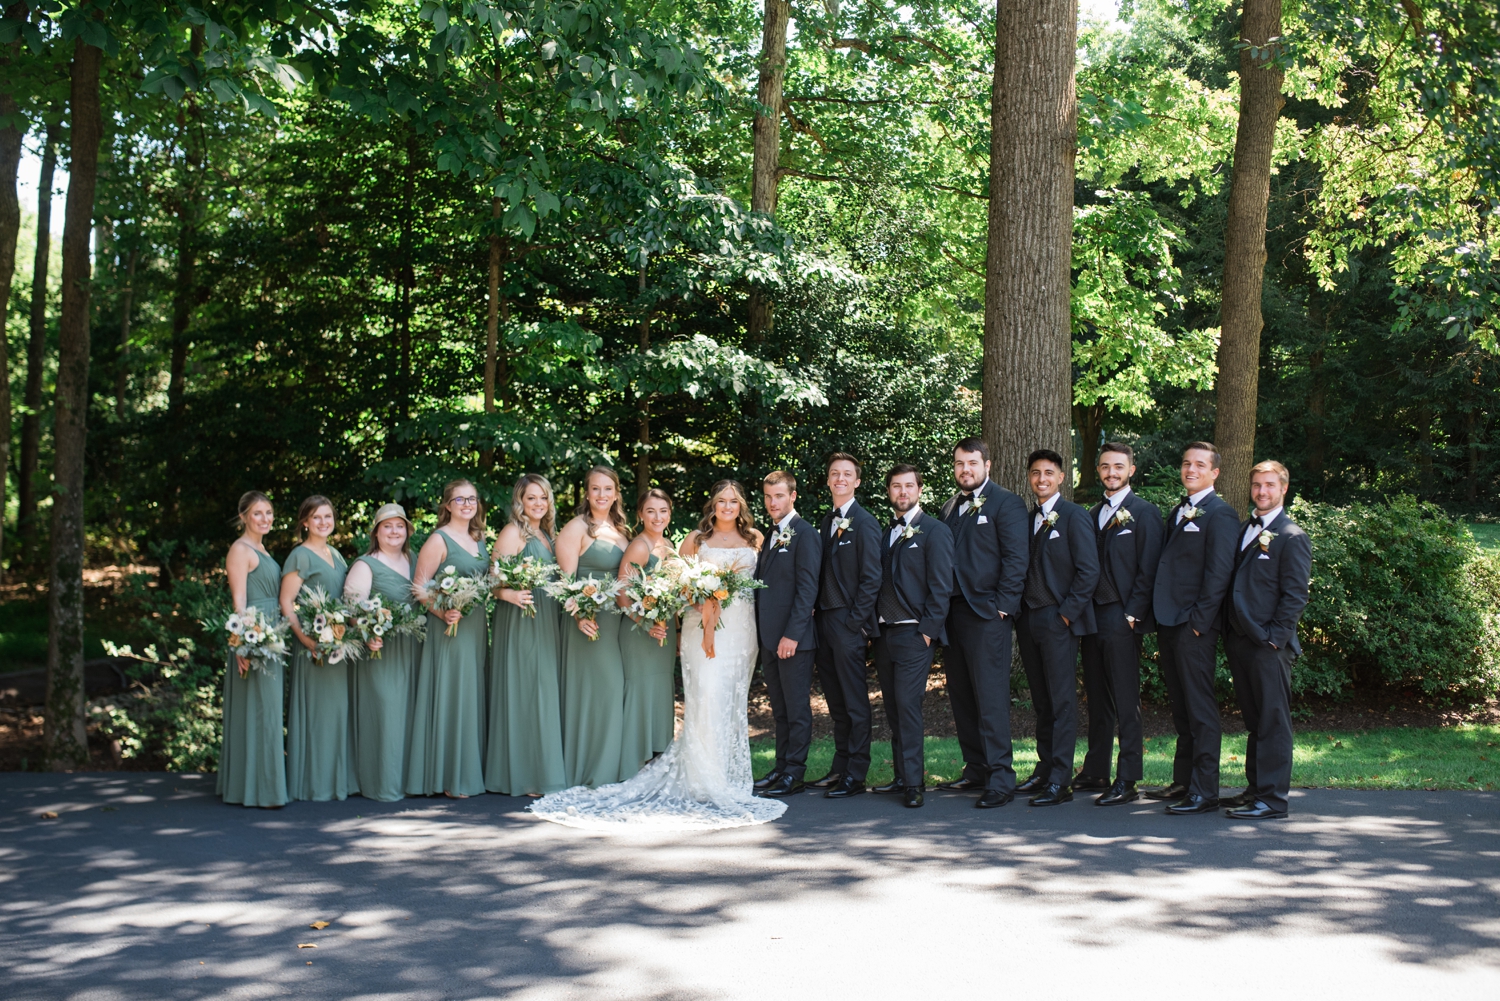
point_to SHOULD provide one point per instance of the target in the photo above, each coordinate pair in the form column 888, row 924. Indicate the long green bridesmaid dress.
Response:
column 525, row 752
column 447, row 731
column 594, row 685
column 383, row 694
column 252, row 757
column 319, row 749
column 650, row 710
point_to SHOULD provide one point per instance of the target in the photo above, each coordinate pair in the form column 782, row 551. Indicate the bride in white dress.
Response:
column 702, row 781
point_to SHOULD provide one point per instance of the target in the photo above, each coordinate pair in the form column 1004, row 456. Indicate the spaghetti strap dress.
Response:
column 319, row 746
column 594, row 685
column 382, row 697
column 650, row 689
column 252, row 754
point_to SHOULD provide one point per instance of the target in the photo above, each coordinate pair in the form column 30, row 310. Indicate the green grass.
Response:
column 1461, row 757
column 1487, row 533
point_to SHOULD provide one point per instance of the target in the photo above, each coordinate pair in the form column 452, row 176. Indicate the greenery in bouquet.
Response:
column 370, row 621
column 326, row 621
column 408, row 619
column 653, row 597
column 521, row 573
column 698, row 581
column 451, row 591
column 585, row 597
column 259, row 638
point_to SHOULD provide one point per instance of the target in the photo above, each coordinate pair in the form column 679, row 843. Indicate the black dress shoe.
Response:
column 1031, row 786
column 1244, row 798
column 768, row 779
column 1255, row 811
column 1119, row 794
column 891, row 788
column 1053, row 795
column 847, row 787
column 786, row 785
column 961, row 784
column 828, row 781
column 913, row 797
column 1088, row 783
column 1193, row 803
column 992, row 799
column 1174, row 791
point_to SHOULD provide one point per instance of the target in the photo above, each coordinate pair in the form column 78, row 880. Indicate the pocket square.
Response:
column 912, row 546
column 1263, row 556
column 1190, row 527
column 1126, row 531
column 1055, row 534
column 847, row 542
column 984, row 519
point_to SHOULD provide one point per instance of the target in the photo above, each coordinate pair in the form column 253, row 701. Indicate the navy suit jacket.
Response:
column 856, row 566
column 922, row 574
column 1069, row 553
column 784, row 607
column 1271, row 584
column 1197, row 561
column 990, row 551
column 1132, row 552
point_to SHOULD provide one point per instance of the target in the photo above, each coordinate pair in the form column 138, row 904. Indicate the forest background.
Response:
column 358, row 249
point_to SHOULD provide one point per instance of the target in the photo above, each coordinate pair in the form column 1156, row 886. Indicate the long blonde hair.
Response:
column 743, row 522
column 445, row 513
column 616, row 510
column 548, row 524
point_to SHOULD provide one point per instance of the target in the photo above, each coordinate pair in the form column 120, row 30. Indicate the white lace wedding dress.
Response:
column 702, row 781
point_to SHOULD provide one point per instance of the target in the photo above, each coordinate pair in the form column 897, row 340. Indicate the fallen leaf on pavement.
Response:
column 49, row 815
column 306, row 945
column 319, row 925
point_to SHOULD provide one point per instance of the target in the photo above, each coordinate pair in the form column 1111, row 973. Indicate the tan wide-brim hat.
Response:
column 388, row 511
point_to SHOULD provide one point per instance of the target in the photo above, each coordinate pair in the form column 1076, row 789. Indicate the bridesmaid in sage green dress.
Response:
column 252, row 757
column 525, row 754
column 382, row 689
column 447, row 731
column 648, row 657
column 319, row 751
column 593, row 677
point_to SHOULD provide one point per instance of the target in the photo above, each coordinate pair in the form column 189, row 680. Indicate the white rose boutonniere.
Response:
column 842, row 525
column 910, row 532
column 1050, row 519
column 1264, row 539
column 1122, row 518
column 977, row 503
column 1191, row 512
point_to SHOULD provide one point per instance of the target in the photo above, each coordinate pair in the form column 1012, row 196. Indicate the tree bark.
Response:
column 1089, row 419
column 1245, row 249
column 766, row 132
column 122, row 363
column 36, row 347
column 643, row 408
column 10, row 229
column 492, row 328
column 66, row 742
column 1027, row 327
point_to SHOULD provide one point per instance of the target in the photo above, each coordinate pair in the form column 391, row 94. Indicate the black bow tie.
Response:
column 967, row 495
column 899, row 522
column 1256, row 522
column 1185, row 501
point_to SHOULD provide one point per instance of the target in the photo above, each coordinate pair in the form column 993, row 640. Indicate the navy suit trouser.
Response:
column 1049, row 653
column 1187, row 667
column 977, row 663
column 1263, row 687
column 1112, row 681
column 788, row 684
column 902, row 662
column 842, row 672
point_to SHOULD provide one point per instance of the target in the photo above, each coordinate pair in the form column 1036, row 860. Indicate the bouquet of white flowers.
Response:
column 521, row 573
column 258, row 638
column 408, row 620
column 711, row 587
column 653, row 596
column 370, row 620
column 584, row 597
column 325, row 621
column 451, row 591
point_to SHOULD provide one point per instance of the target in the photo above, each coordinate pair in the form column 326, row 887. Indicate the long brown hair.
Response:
column 310, row 507
column 445, row 513
column 616, row 510
column 548, row 524
column 743, row 522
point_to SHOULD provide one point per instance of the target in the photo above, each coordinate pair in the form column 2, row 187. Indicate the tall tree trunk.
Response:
column 1090, row 420
column 36, row 347
column 64, row 737
column 1028, row 391
column 643, row 407
column 492, row 328
column 765, row 170
column 122, row 363
column 10, row 229
column 1245, row 249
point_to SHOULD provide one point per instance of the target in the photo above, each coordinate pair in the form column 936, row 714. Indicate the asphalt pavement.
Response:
column 145, row 886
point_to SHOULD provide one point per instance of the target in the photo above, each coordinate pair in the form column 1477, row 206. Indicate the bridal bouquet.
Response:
column 584, row 597
column 258, row 638
column 712, row 587
column 370, row 620
column 451, row 591
column 326, row 621
column 653, row 597
column 521, row 573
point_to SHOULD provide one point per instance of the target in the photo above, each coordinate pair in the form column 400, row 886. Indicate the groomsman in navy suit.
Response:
column 1057, row 607
column 850, row 583
column 1129, row 535
column 790, row 558
column 916, row 580
column 989, row 569
column 1197, row 561
column 1265, row 602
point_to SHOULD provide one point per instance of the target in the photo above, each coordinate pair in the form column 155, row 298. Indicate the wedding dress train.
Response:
column 702, row 781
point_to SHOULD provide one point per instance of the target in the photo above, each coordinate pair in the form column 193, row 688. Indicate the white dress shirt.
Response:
column 1112, row 505
column 838, row 512
column 1194, row 500
column 910, row 516
column 784, row 522
column 964, row 507
column 1252, row 530
column 1047, row 506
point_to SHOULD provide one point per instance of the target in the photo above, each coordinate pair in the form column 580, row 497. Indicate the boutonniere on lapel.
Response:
column 782, row 538
column 1264, row 539
column 842, row 526
column 1121, row 519
column 910, row 532
column 1050, row 518
column 977, row 503
column 1191, row 512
